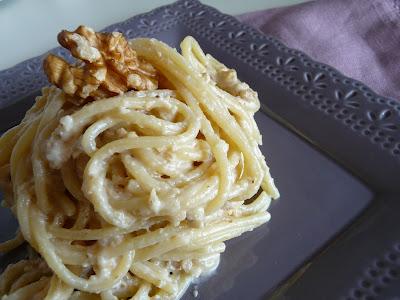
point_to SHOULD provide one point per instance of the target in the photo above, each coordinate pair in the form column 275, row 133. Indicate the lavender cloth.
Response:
column 361, row 38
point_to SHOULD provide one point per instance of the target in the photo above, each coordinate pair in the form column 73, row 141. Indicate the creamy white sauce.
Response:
column 67, row 123
column 155, row 204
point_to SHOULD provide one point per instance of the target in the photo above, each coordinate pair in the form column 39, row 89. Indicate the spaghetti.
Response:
column 133, row 196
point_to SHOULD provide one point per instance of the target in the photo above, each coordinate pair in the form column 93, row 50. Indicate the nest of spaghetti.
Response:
column 133, row 195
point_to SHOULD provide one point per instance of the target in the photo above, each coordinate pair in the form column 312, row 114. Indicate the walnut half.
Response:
column 106, row 67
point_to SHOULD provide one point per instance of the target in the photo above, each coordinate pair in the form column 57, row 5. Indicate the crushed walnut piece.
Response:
column 106, row 66
column 227, row 80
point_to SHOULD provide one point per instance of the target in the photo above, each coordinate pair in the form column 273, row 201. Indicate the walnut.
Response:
column 107, row 66
column 216, row 73
column 227, row 80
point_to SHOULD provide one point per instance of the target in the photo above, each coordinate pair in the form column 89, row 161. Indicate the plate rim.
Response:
column 364, row 107
column 357, row 107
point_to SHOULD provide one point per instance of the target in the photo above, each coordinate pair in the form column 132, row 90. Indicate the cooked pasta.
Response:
column 133, row 196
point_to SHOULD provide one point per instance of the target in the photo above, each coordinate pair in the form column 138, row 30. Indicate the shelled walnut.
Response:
column 106, row 66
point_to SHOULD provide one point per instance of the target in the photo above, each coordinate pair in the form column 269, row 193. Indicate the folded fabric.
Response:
column 360, row 38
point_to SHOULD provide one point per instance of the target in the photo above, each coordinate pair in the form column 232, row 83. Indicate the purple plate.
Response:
column 333, row 146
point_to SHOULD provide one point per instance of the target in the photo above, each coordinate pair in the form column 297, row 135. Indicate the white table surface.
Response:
column 29, row 27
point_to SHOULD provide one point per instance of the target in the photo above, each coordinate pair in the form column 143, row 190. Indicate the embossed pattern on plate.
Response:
column 340, row 117
column 322, row 87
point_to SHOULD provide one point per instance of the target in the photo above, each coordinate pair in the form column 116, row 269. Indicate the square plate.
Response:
column 333, row 146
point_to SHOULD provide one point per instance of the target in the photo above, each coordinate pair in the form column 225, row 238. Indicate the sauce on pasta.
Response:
column 133, row 196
